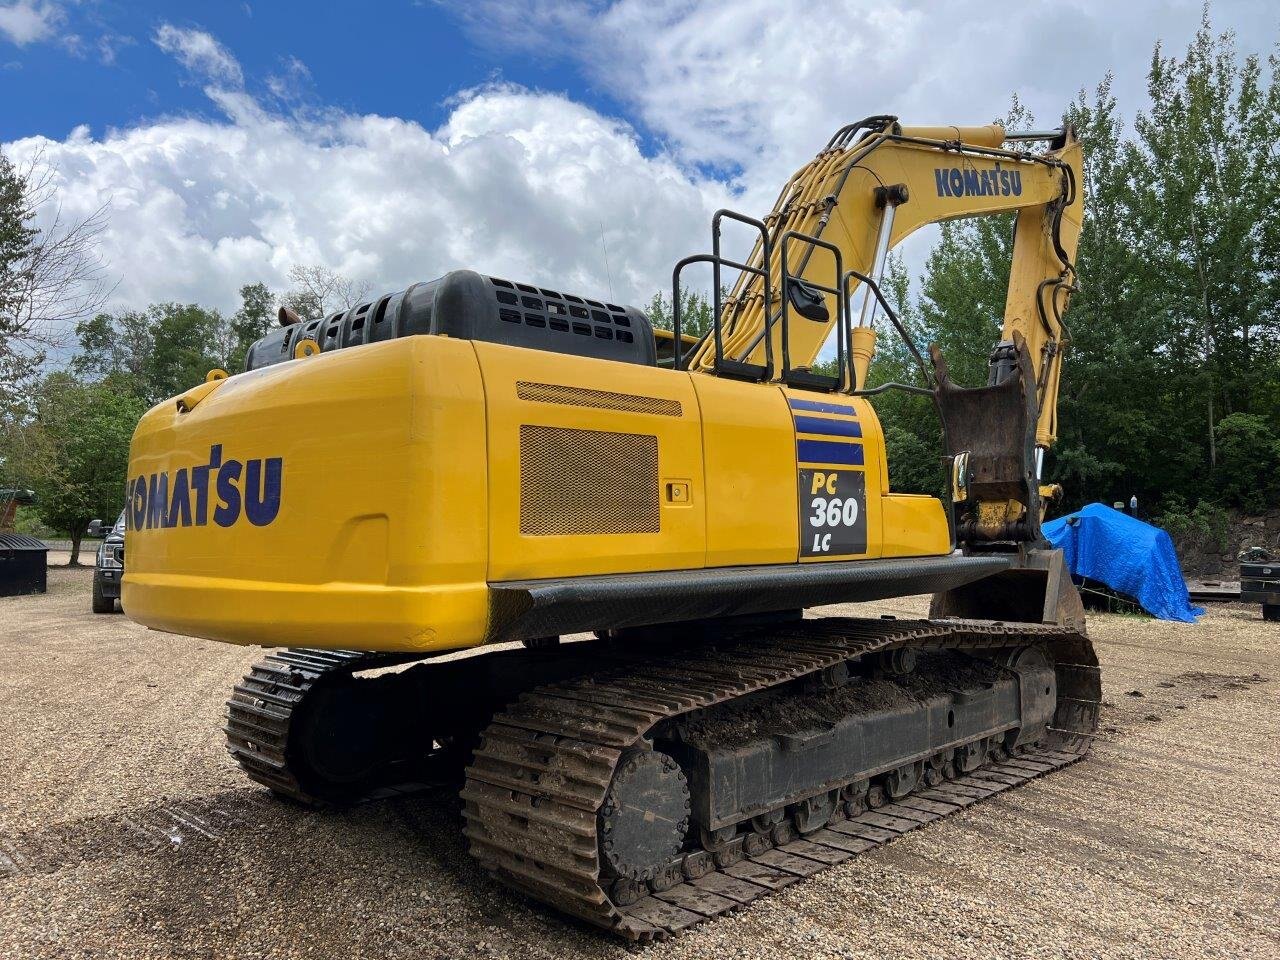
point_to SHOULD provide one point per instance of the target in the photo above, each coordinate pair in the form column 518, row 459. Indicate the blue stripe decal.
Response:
column 816, row 407
column 832, row 428
column 826, row 451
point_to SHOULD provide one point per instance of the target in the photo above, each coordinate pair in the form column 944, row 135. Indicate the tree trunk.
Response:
column 75, row 550
column 1213, row 444
column 1210, row 353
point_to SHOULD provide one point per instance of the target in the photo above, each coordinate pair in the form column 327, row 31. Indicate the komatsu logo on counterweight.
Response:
column 968, row 182
column 183, row 499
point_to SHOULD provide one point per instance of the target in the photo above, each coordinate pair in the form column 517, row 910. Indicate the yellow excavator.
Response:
column 589, row 548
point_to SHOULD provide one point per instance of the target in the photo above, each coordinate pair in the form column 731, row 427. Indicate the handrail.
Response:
column 732, row 368
column 812, row 380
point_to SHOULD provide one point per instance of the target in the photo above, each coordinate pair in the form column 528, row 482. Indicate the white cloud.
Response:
column 292, row 80
column 522, row 184
column 200, row 53
column 109, row 45
column 27, row 22
column 515, row 183
column 757, row 86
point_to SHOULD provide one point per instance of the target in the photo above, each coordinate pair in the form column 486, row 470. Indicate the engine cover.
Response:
column 465, row 305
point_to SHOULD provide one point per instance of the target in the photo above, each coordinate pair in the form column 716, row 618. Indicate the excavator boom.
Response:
column 874, row 185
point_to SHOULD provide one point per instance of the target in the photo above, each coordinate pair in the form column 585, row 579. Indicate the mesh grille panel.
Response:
column 602, row 399
column 587, row 481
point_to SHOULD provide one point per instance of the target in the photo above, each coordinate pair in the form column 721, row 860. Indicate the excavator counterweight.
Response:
column 589, row 547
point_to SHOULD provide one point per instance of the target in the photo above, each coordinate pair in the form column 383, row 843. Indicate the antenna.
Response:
column 605, row 248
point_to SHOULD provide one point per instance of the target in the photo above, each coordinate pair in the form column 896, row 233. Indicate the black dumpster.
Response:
column 23, row 565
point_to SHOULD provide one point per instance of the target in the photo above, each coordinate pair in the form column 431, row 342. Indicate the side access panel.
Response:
column 594, row 466
column 749, row 445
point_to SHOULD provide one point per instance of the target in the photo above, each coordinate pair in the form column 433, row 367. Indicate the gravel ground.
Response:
column 126, row 831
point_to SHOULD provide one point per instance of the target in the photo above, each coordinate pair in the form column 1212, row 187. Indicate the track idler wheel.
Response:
column 971, row 756
column 898, row 783
column 644, row 817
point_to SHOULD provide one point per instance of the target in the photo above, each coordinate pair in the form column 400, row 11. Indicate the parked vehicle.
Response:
column 108, row 569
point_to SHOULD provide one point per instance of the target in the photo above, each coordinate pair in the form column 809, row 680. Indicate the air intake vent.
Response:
column 601, row 399
column 587, row 481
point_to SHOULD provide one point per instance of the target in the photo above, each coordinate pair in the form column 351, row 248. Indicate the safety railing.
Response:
column 844, row 380
column 804, row 378
column 739, row 369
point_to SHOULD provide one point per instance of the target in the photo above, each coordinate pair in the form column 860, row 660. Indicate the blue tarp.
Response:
column 1129, row 556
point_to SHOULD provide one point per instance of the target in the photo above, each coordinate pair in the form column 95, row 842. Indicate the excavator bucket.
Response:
column 990, row 437
column 990, row 448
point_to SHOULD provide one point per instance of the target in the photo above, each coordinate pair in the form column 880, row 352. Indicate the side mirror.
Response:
column 95, row 528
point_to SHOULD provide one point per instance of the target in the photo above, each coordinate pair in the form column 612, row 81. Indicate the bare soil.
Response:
column 126, row 830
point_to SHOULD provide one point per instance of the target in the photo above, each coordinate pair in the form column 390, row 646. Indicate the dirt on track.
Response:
column 126, row 830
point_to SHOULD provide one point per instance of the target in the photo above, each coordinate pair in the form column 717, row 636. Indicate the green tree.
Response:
column 1207, row 212
column 912, row 430
column 1175, row 326
column 48, row 275
column 254, row 318
column 16, row 237
column 185, row 346
column 116, row 347
column 317, row 291
column 1114, row 426
column 154, row 353
column 695, row 312
column 1248, row 460
column 74, row 452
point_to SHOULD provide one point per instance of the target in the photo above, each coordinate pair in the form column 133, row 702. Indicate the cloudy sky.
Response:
column 579, row 143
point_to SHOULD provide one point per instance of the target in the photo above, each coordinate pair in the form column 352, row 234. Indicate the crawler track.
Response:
column 543, row 768
column 264, row 711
